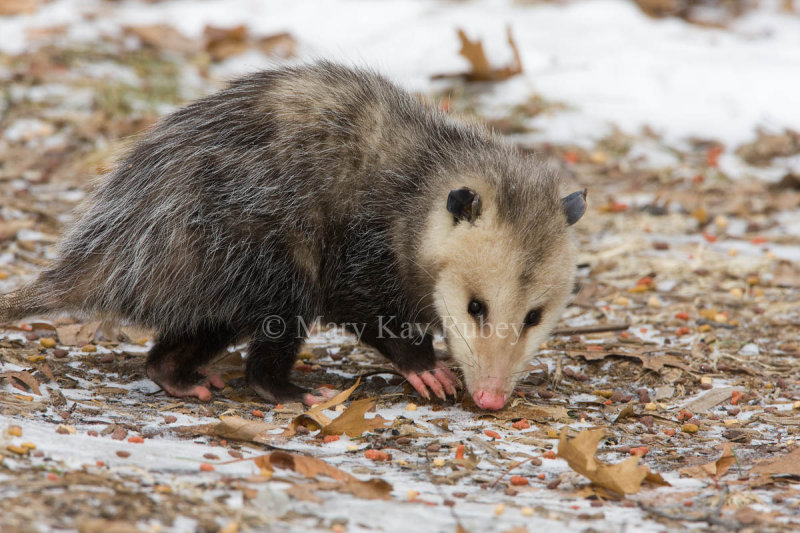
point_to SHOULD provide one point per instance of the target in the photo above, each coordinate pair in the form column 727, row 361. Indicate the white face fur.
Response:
column 493, row 318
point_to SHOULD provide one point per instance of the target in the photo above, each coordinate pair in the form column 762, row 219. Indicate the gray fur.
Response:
column 297, row 190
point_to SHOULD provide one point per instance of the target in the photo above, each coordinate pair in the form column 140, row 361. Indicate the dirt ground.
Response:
column 682, row 345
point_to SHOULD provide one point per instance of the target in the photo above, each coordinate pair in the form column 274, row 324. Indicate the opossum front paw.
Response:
column 440, row 380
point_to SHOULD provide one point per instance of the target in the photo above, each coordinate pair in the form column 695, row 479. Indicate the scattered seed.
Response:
column 521, row 424
column 258, row 413
column 438, row 462
column 492, row 434
column 15, row 431
column 403, row 440
column 518, row 481
column 526, row 511
column 411, row 407
column 641, row 450
column 47, row 342
column 433, row 447
column 549, row 454
column 235, row 454
column 376, row 455
column 499, row 509
column 123, row 453
column 89, row 348
column 735, row 397
column 205, row 467
column 554, row 484
column 330, row 438
column 58, row 353
column 136, row 439
column 669, row 432
column 169, row 419
column 460, row 451
column 690, row 428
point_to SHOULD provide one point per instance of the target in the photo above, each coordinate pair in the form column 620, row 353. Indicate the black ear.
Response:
column 574, row 206
column 464, row 204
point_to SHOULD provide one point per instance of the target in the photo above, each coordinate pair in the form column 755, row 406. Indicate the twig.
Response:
column 509, row 469
column 592, row 329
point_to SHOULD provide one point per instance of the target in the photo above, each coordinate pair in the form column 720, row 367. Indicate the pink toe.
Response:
column 445, row 380
column 216, row 381
column 200, row 392
column 418, row 384
column 431, row 381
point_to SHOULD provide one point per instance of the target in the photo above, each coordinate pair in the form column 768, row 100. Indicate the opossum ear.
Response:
column 464, row 204
column 574, row 206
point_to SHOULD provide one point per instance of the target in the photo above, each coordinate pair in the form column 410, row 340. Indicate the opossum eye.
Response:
column 533, row 317
column 476, row 308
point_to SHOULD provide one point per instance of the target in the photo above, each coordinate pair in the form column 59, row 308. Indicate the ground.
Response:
column 682, row 344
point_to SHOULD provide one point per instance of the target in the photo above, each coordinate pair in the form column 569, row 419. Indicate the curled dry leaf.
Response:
column 352, row 421
column 480, row 68
column 623, row 478
column 715, row 469
column 311, row 467
column 25, row 378
column 785, row 465
column 237, row 428
column 77, row 334
column 314, row 419
column 163, row 37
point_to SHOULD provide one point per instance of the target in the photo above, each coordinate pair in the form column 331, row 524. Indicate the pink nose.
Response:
column 490, row 400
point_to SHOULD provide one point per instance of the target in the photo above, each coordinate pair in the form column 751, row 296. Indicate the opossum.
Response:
column 320, row 191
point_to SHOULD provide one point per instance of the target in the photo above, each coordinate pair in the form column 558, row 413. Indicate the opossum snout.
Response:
column 490, row 394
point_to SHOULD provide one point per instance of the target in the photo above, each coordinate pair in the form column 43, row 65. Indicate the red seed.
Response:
column 669, row 432
column 550, row 454
column 518, row 480
column 52, row 477
column 205, row 467
column 682, row 331
column 100, row 463
column 330, row 438
column 492, row 434
column 710, row 238
column 735, row 397
column 136, row 439
column 647, row 280
column 376, row 455
column 258, row 413
column 682, row 316
column 460, row 451
column 641, row 450
column 521, row 424
column 541, row 476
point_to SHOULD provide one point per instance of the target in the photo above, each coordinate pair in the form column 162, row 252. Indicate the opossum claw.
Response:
column 432, row 381
column 419, row 385
column 446, row 378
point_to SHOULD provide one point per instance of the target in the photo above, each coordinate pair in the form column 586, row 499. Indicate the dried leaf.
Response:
column 650, row 362
column 313, row 418
column 480, row 68
column 715, row 469
column 312, row 467
column 163, row 37
column 77, row 334
column 280, row 45
column 18, row 7
column 623, row 478
column 25, row 378
column 710, row 399
column 784, row 465
column 237, row 428
column 223, row 43
column 352, row 421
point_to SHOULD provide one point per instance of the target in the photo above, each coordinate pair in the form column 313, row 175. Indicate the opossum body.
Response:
column 326, row 192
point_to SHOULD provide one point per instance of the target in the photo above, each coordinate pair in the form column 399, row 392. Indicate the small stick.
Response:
column 592, row 329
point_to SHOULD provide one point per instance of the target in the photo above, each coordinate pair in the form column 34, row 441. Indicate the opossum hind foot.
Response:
column 198, row 385
column 441, row 381
column 290, row 392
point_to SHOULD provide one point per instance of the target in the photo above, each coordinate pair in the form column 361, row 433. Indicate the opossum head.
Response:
column 504, row 266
